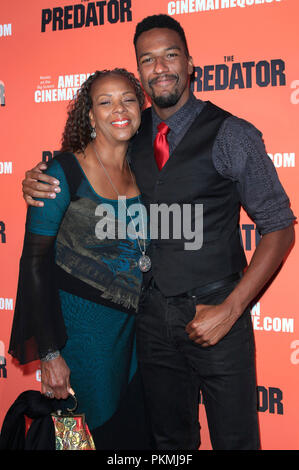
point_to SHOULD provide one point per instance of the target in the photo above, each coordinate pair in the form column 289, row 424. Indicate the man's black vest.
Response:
column 188, row 178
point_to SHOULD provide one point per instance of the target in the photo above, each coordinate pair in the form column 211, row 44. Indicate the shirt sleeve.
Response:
column 38, row 326
column 46, row 220
column 239, row 154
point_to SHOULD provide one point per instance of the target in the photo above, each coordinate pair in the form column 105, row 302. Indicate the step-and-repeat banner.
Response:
column 246, row 60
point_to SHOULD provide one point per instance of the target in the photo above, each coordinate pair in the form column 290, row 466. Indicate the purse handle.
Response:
column 71, row 410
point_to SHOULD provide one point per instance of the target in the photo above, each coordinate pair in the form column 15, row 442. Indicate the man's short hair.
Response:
column 160, row 21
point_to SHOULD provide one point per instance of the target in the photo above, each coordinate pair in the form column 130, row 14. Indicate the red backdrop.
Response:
column 245, row 57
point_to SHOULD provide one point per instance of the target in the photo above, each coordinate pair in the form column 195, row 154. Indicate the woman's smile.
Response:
column 121, row 124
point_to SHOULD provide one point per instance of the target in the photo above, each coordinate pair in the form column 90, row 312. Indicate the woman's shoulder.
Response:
column 65, row 166
column 62, row 160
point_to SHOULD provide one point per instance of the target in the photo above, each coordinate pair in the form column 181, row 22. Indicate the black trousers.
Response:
column 175, row 369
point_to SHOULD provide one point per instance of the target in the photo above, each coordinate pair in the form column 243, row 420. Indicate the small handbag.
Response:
column 71, row 430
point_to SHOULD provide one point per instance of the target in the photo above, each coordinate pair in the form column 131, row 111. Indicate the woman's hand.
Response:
column 55, row 377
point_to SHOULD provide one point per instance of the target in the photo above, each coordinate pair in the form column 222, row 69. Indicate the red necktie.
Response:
column 161, row 146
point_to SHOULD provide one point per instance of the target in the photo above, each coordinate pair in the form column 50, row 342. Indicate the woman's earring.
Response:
column 93, row 133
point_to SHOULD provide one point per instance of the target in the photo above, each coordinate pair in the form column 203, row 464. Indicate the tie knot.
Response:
column 163, row 128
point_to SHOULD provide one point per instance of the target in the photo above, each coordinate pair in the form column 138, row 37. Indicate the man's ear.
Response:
column 190, row 65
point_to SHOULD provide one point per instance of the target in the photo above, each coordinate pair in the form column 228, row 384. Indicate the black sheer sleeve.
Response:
column 38, row 326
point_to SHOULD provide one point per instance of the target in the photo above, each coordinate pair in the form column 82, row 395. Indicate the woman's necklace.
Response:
column 144, row 261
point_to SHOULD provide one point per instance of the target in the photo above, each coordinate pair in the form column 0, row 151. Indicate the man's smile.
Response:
column 163, row 80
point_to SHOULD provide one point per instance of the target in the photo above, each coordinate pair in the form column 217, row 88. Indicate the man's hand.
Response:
column 33, row 188
column 211, row 323
column 55, row 377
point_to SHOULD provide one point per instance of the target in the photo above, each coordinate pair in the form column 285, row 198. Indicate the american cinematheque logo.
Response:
column 180, row 7
column 61, row 88
column 85, row 16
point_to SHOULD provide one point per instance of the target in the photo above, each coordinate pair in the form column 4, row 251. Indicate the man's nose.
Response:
column 160, row 65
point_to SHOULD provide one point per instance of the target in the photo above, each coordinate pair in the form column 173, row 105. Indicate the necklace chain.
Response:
column 125, row 205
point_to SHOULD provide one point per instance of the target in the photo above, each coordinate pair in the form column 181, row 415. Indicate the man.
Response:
column 194, row 330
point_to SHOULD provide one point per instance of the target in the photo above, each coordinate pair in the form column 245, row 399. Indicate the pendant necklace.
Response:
column 144, row 262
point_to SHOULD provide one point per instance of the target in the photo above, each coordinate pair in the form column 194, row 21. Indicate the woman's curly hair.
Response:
column 76, row 134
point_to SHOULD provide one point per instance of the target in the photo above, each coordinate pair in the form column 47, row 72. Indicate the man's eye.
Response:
column 104, row 102
column 147, row 60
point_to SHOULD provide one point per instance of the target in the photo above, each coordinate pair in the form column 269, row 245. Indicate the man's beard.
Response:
column 165, row 101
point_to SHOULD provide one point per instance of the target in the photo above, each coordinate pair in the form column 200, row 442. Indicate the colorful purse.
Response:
column 71, row 430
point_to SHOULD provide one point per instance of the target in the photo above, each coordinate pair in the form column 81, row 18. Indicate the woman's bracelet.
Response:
column 50, row 356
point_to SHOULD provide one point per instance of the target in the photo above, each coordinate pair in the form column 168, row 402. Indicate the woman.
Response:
column 79, row 280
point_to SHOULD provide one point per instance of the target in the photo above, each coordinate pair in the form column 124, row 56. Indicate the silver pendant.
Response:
column 144, row 263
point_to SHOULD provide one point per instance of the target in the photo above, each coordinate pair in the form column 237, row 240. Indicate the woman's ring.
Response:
column 49, row 394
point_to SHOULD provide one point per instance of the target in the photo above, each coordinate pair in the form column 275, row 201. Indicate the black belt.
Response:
column 203, row 290
column 207, row 288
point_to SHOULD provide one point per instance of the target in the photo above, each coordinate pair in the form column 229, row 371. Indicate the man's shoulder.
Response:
column 238, row 126
column 232, row 122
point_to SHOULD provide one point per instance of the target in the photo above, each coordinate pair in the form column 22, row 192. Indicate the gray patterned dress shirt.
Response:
column 240, row 155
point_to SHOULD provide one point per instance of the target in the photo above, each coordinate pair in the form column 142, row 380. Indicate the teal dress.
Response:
column 98, row 280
